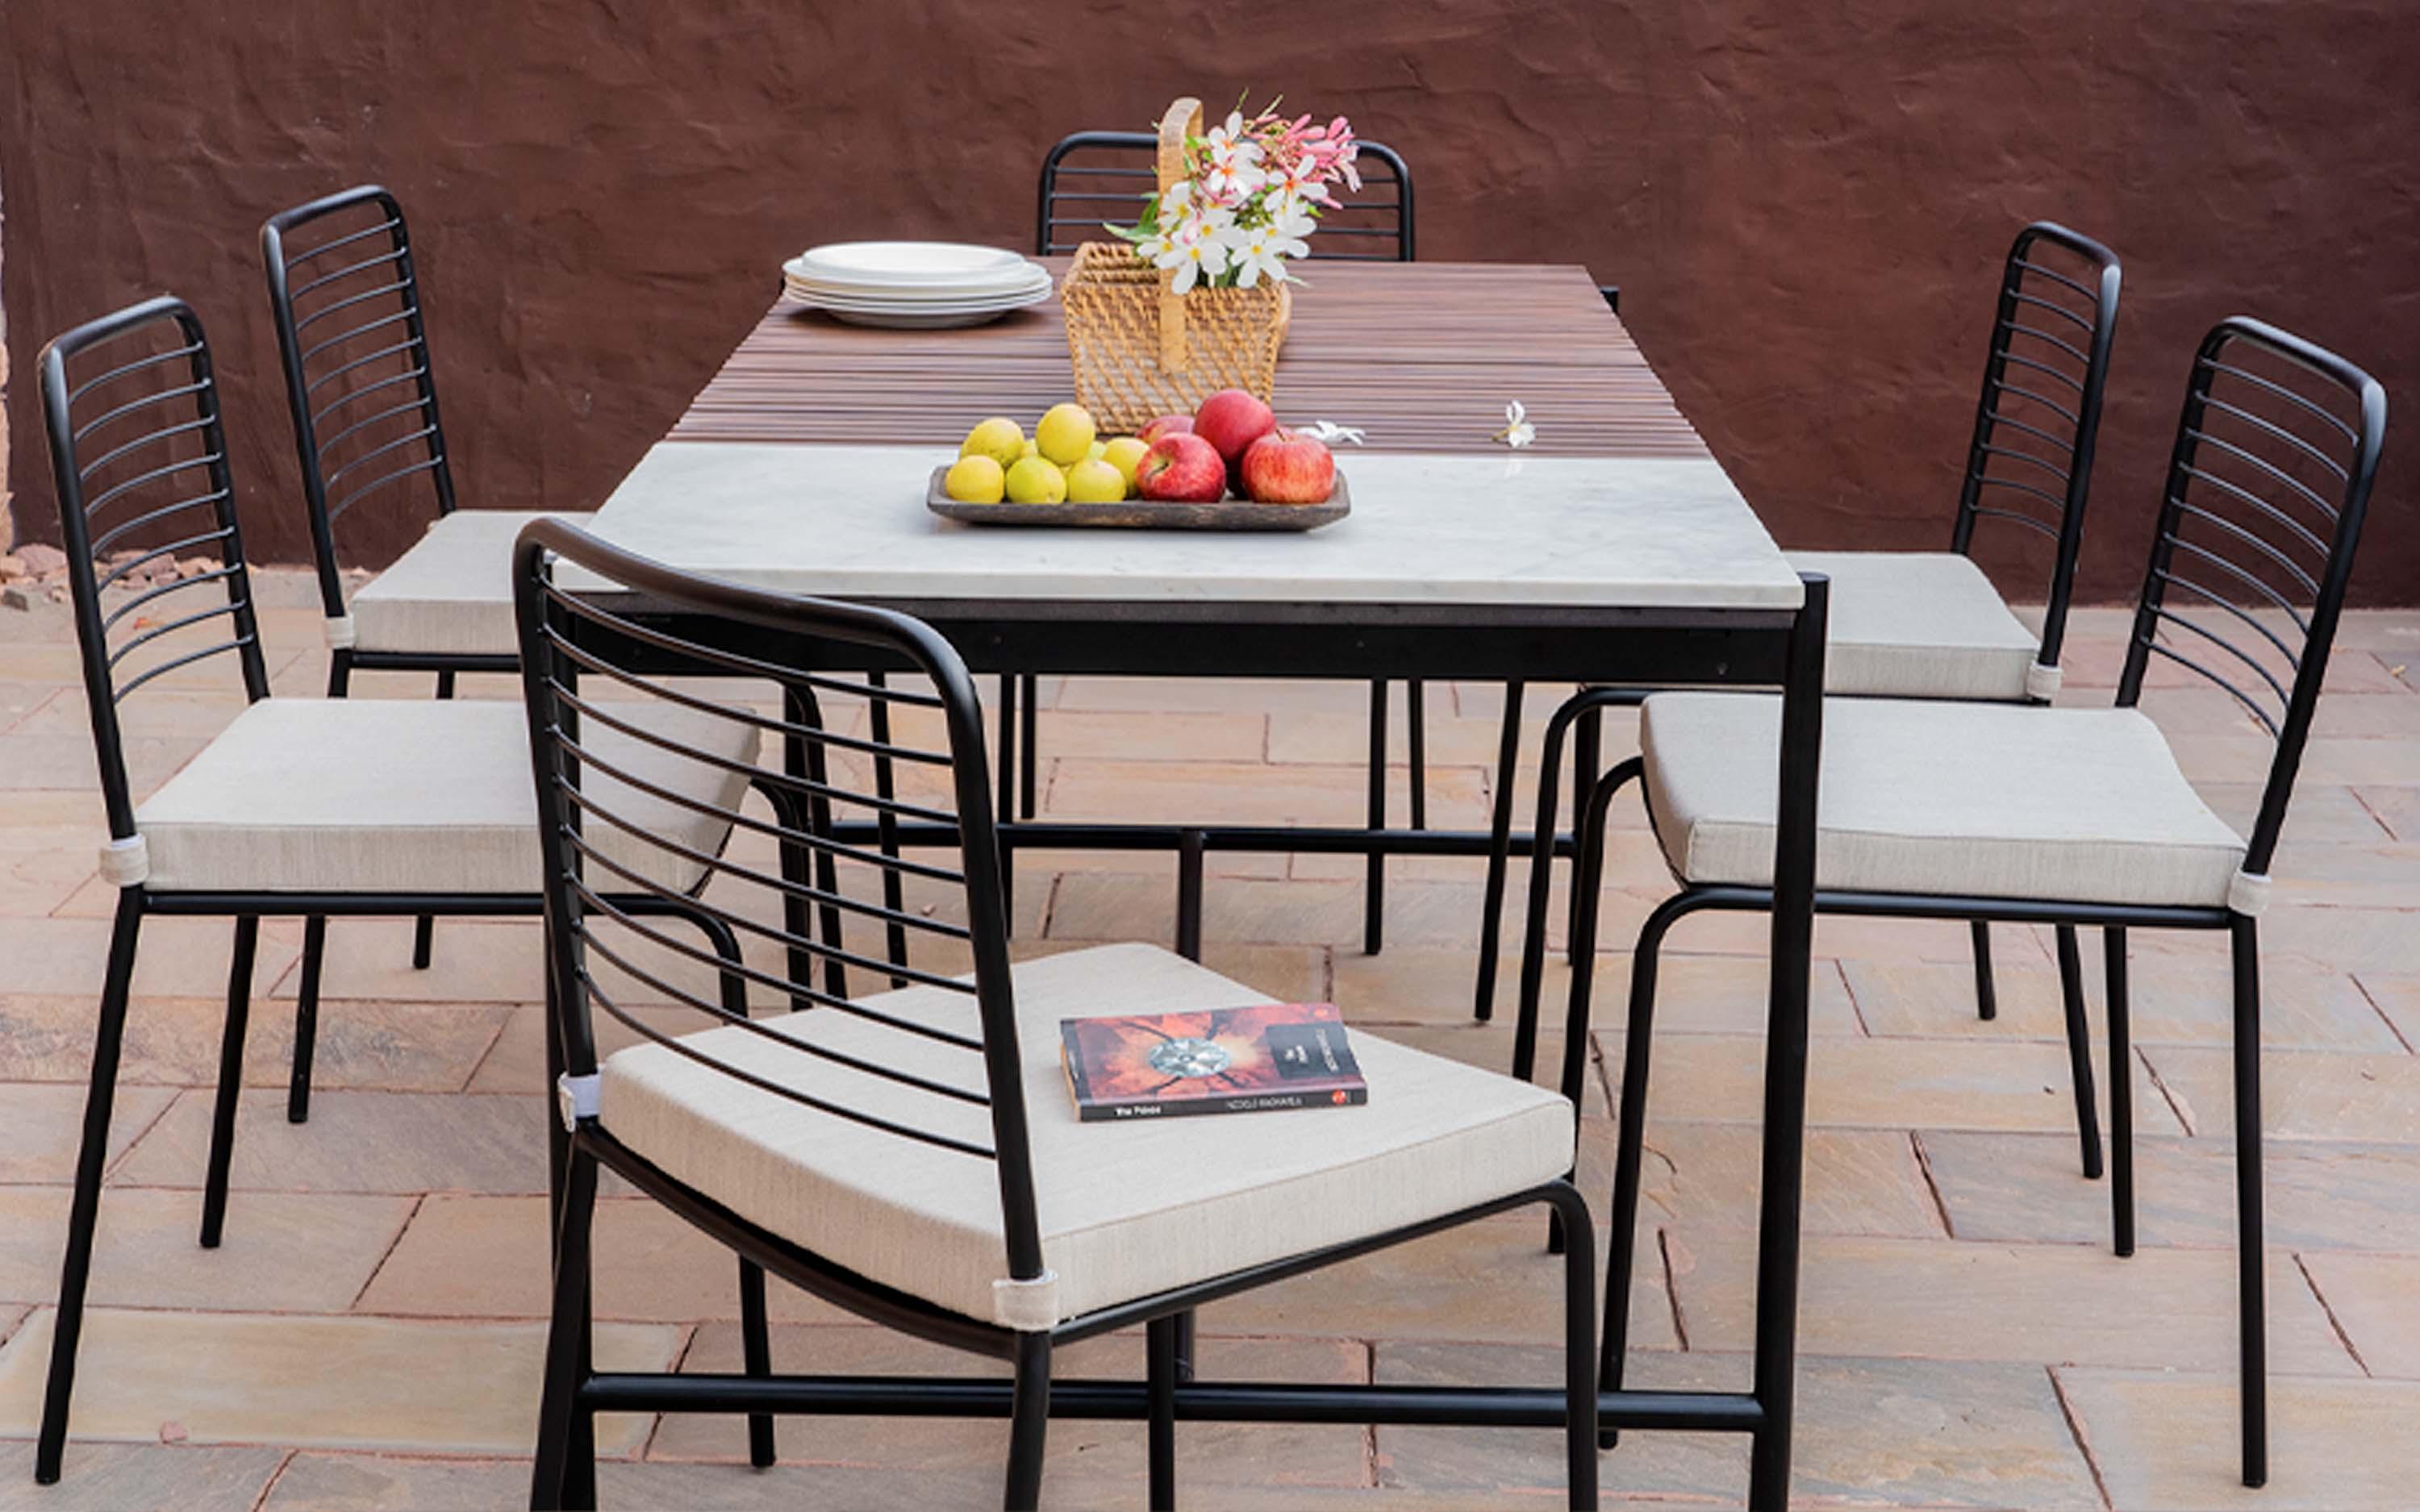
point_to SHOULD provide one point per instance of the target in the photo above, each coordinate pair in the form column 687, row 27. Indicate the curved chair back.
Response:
column 1095, row 177
column 346, row 302
column 138, row 456
column 873, row 767
column 2266, row 488
column 2030, row 462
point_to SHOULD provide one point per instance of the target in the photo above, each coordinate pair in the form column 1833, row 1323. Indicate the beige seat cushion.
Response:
column 1127, row 1209
column 416, row 796
column 1920, row 624
column 1976, row 799
column 452, row 592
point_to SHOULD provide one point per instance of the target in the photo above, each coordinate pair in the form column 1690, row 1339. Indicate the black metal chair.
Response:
column 912, row 1156
column 1918, row 624
column 365, row 808
column 2067, row 816
column 1092, row 177
column 361, row 391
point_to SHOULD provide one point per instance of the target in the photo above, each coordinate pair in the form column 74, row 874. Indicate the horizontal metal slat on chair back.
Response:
column 2038, row 418
column 146, row 514
column 871, row 863
column 1095, row 177
column 2267, row 490
column 345, row 296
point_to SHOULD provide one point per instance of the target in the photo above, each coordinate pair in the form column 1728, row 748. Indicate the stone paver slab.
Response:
column 1891, row 1432
column 140, row 1477
column 2166, row 1442
column 2303, row 1094
column 355, row 1142
column 2052, row 1303
column 356, row 1383
column 282, row 1250
column 2025, row 1189
column 2170, row 1001
column 487, row 1256
column 1704, row 1177
column 413, row 1047
column 2375, row 1299
column 45, row 1125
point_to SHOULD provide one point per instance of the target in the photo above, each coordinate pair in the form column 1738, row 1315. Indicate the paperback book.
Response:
column 1221, row 1060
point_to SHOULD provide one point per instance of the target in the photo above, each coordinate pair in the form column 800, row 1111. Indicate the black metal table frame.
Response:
column 1684, row 647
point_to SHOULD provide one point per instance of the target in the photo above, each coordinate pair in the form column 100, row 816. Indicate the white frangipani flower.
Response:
column 1517, row 430
column 1197, row 250
column 1328, row 431
column 1260, row 250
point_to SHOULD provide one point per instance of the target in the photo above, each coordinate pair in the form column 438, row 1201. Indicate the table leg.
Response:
column 1785, row 1055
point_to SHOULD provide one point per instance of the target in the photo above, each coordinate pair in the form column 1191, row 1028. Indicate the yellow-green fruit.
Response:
column 1125, row 454
column 1027, row 449
column 975, row 480
column 1037, row 479
column 1064, row 434
column 1097, row 451
column 1001, row 439
column 1095, row 482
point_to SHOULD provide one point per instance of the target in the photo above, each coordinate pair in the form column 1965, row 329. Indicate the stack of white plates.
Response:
column 915, row 284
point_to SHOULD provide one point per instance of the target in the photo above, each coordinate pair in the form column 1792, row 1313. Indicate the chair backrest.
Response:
column 138, row 457
column 873, row 767
column 346, row 302
column 1093, row 178
column 2266, row 491
column 2035, row 423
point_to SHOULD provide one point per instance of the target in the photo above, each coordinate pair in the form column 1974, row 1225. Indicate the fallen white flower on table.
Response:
column 1328, row 431
column 1517, row 430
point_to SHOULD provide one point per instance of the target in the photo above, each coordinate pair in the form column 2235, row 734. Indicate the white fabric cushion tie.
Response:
column 2042, row 682
column 578, row 1097
column 2248, row 894
column 340, row 632
column 1027, row 1306
column 125, row 863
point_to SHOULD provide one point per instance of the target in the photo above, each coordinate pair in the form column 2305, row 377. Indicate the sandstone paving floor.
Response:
column 367, row 1336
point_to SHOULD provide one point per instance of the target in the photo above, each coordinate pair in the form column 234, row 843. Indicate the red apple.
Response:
column 1285, row 468
column 1182, row 468
column 1164, row 425
column 1232, row 419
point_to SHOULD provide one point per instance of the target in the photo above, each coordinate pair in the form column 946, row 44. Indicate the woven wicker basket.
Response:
column 1141, row 350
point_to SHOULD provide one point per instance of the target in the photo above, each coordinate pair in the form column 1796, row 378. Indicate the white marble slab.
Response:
column 850, row 522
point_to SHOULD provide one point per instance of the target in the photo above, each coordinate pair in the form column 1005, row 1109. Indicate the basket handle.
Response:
column 1184, row 118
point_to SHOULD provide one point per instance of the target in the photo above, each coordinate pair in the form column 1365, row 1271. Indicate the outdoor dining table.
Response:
column 1614, row 550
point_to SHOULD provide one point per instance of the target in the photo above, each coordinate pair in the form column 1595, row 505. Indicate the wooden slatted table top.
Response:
column 1423, row 356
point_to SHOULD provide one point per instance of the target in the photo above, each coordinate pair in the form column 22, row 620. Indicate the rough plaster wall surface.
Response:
column 1803, row 203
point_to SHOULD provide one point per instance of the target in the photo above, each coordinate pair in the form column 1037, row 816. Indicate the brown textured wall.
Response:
column 1805, row 200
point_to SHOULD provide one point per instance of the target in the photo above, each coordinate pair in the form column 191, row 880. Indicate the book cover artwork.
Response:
column 1221, row 1060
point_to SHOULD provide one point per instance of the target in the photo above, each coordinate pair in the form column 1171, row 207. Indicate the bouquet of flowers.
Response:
column 1251, row 197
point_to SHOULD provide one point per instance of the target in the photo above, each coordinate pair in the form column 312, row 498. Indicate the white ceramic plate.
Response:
column 918, row 316
column 1038, row 283
column 900, row 263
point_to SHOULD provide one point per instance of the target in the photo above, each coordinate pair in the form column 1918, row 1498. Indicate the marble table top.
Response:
column 1587, row 533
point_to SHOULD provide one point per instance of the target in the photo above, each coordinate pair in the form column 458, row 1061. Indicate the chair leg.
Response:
column 1588, row 758
column 1029, row 736
column 1581, row 1430
column 2122, row 1093
column 1415, row 738
column 1190, row 858
column 1987, row 997
column 2079, row 1050
column 1588, row 876
column 1631, row 1144
column 554, row 1479
column 306, row 1019
column 1028, row 1424
column 1159, row 1374
column 756, row 1343
column 424, row 930
column 2251, row 1242
column 238, row 1011
column 83, row 1210
column 1374, row 891
column 1499, row 857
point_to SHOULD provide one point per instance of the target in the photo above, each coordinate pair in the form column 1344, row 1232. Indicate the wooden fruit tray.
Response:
column 1148, row 513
